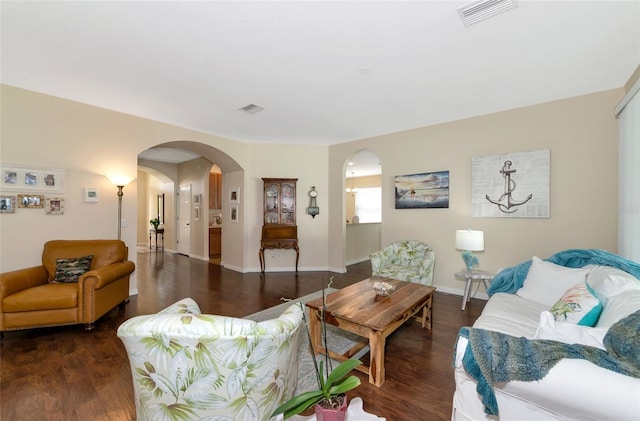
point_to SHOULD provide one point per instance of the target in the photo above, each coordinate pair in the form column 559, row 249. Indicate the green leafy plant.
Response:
column 332, row 383
column 155, row 222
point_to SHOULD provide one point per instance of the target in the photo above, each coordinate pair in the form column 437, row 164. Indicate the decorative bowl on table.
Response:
column 383, row 289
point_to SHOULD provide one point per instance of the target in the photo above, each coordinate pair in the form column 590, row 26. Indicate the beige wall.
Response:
column 582, row 136
column 89, row 143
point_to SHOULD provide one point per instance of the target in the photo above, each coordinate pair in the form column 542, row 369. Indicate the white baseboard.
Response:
column 359, row 260
column 460, row 292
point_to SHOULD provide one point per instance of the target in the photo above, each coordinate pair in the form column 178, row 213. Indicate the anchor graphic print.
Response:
column 509, row 187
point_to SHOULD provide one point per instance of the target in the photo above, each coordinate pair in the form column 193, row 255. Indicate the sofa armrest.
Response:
column 377, row 260
column 105, row 275
column 18, row 280
column 426, row 266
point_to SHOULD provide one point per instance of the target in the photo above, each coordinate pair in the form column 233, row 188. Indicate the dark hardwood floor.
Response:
column 66, row 374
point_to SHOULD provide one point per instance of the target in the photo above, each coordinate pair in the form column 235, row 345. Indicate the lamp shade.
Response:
column 470, row 240
column 120, row 180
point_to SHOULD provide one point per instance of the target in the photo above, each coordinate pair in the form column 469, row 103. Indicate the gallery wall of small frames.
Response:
column 23, row 188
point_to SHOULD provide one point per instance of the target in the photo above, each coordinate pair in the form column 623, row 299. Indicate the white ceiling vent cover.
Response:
column 484, row 9
column 251, row 109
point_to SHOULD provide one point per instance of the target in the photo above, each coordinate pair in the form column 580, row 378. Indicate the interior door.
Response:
column 184, row 220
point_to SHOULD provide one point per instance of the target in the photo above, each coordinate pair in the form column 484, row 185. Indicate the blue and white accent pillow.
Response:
column 579, row 305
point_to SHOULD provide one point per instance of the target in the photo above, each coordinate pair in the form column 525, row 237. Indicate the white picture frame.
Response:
column 234, row 213
column 31, row 179
column 91, row 195
column 197, row 199
column 196, row 213
column 234, row 195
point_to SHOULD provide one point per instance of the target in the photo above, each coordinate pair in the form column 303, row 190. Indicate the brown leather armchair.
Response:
column 29, row 299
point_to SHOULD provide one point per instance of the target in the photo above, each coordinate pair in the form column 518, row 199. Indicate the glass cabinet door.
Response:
column 271, row 204
column 280, row 201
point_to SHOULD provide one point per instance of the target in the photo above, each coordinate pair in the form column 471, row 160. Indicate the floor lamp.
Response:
column 120, row 182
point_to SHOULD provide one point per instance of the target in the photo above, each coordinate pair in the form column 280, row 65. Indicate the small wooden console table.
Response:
column 278, row 237
column 156, row 232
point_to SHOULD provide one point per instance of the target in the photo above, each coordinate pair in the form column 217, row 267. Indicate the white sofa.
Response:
column 573, row 389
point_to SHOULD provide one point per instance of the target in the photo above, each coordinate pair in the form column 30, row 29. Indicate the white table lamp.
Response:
column 468, row 241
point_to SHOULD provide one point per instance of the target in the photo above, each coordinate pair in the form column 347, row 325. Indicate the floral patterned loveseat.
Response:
column 191, row 366
column 408, row 260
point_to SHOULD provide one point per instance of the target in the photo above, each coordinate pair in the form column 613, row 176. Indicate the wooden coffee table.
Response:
column 359, row 310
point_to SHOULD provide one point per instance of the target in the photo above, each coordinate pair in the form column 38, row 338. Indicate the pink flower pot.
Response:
column 330, row 414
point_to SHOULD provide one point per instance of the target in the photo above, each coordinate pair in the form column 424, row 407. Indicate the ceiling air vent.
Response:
column 251, row 109
column 484, row 9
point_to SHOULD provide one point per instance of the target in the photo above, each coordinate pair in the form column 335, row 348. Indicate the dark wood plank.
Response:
column 68, row 374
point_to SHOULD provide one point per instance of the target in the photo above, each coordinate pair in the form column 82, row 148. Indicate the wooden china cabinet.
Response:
column 279, row 229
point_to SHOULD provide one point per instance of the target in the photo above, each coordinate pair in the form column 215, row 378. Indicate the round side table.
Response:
column 470, row 276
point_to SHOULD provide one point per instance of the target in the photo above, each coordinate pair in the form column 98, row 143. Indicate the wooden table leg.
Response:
column 376, row 358
column 315, row 331
column 427, row 314
column 261, row 257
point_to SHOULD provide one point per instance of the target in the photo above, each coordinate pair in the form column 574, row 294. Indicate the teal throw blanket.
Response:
column 493, row 357
column 511, row 279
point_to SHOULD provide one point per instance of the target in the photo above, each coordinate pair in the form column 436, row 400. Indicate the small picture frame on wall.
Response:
column 234, row 195
column 196, row 215
column 91, row 195
column 31, row 201
column 7, row 204
column 54, row 205
column 197, row 199
column 234, row 214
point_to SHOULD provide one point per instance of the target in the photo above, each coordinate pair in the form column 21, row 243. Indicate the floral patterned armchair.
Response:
column 408, row 260
column 191, row 366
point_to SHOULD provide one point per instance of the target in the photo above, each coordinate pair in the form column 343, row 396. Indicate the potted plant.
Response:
column 155, row 222
column 330, row 399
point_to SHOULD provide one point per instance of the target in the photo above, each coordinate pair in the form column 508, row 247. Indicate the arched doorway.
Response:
column 363, row 205
column 172, row 167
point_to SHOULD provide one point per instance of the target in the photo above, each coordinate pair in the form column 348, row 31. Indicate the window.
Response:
column 369, row 204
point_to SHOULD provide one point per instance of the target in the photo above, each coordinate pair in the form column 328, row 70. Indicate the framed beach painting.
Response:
column 424, row 190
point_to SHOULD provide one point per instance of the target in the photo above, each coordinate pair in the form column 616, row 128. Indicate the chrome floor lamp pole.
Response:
column 120, row 194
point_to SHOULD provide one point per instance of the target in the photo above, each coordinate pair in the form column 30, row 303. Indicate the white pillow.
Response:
column 569, row 333
column 607, row 281
column 619, row 306
column 546, row 281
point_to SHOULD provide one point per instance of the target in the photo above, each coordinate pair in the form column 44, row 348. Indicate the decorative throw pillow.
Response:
column 569, row 333
column 70, row 269
column 578, row 305
column 546, row 281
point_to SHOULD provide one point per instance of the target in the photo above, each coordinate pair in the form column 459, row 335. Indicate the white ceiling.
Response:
column 326, row 72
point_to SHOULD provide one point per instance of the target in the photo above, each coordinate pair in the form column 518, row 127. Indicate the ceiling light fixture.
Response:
column 484, row 9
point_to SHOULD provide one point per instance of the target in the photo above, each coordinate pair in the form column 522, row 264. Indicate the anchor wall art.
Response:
column 512, row 185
